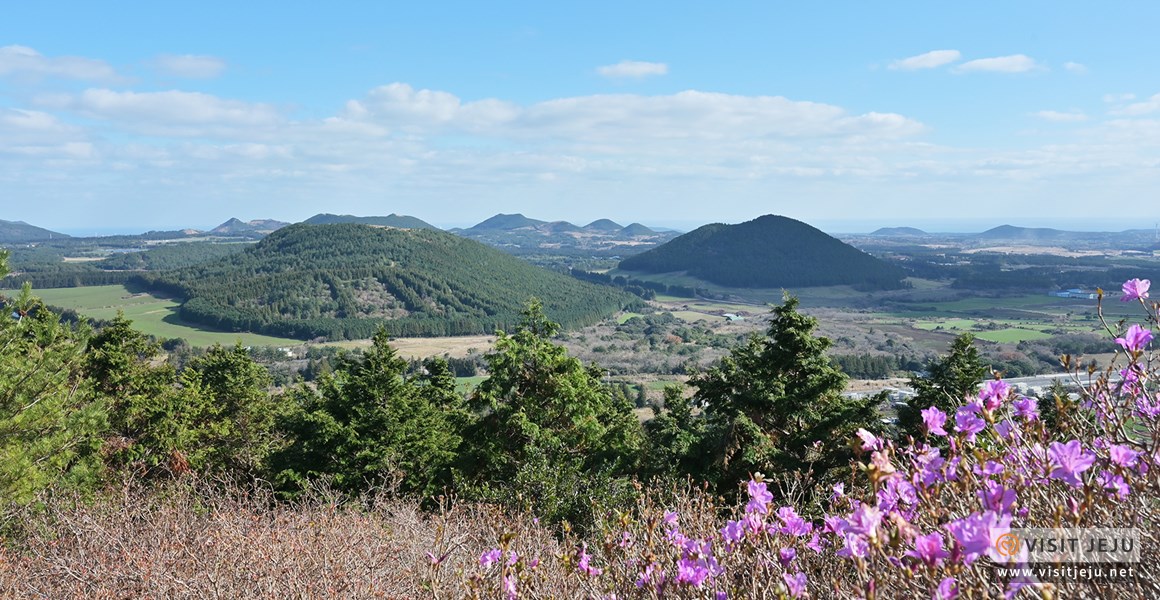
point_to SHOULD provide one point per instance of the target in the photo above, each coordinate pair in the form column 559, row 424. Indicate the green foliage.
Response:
column 674, row 436
column 215, row 417
column 775, row 404
column 347, row 280
column 770, row 251
column 50, row 419
column 946, row 383
column 170, row 256
column 235, row 428
column 551, row 431
column 367, row 424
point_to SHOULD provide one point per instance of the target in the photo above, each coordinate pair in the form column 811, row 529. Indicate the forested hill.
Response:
column 19, row 231
column 344, row 280
column 391, row 220
column 770, row 251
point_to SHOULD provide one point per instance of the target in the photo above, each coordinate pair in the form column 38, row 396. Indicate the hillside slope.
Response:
column 391, row 220
column 770, row 251
column 19, row 231
column 345, row 280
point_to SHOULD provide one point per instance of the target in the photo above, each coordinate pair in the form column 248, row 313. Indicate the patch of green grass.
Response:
column 620, row 320
column 1011, row 335
column 150, row 315
column 467, row 385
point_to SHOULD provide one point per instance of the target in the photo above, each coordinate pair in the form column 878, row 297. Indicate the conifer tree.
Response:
column 775, row 404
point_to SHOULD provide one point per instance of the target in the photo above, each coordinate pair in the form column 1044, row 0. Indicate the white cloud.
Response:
column 190, row 66
column 1073, row 116
column 1112, row 98
column 928, row 60
column 22, row 60
column 1136, row 109
column 1016, row 63
column 1075, row 67
column 633, row 69
column 626, row 117
column 174, row 108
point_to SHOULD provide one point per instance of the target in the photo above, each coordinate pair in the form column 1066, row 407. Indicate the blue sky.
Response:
column 847, row 115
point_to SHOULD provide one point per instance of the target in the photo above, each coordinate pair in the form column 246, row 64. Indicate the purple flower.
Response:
column 795, row 584
column 1027, row 408
column 670, row 518
column 1115, row 485
column 733, row 531
column 864, row 521
column 966, row 421
column 786, row 556
column 948, row 589
column 1069, row 460
column 839, row 490
column 1123, row 455
column 1004, row 428
column 509, row 586
column 582, row 564
column 993, row 393
column 792, row 524
column 975, row 534
column 934, row 419
column 856, row 546
column 490, row 557
column 997, row 498
column 759, row 498
column 1135, row 289
column 1135, row 339
column 692, row 571
column 816, row 544
column 869, row 440
column 928, row 549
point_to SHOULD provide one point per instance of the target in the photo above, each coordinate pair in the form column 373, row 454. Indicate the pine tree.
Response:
column 776, row 404
column 51, row 420
column 367, row 424
column 551, row 430
column 947, row 382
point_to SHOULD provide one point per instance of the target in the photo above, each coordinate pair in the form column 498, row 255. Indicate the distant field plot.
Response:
column 467, row 385
column 150, row 315
column 1011, row 335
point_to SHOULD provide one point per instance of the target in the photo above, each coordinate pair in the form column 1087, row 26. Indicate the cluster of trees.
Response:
column 344, row 281
column 543, row 430
column 640, row 287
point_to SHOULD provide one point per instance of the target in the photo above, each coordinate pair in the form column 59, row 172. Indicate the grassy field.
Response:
column 150, row 315
column 158, row 317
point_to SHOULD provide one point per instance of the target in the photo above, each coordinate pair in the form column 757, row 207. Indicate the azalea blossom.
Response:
column 1069, row 460
column 934, row 419
column 1135, row 289
column 1135, row 338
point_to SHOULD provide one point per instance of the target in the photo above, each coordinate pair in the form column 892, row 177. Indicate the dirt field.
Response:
column 456, row 347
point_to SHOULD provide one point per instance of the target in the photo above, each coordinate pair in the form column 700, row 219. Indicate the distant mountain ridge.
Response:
column 770, row 251
column 898, row 232
column 19, row 231
column 391, row 220
column 236, row 226
column 519, row 234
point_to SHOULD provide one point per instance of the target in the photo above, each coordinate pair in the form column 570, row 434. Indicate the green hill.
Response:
column 391, row 220
column 19, row 231
column 344, row 280
column 770, row 251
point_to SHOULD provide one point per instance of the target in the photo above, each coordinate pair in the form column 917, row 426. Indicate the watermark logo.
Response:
column 1008, row 545
column 1069, row 545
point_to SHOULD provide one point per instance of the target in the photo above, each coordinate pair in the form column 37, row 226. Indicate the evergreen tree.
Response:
column 551, row 430
column 235, row 430
column 776, row 404
column 367, row 424
column 675, row 436
column 51, row 420
column 947, row 382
